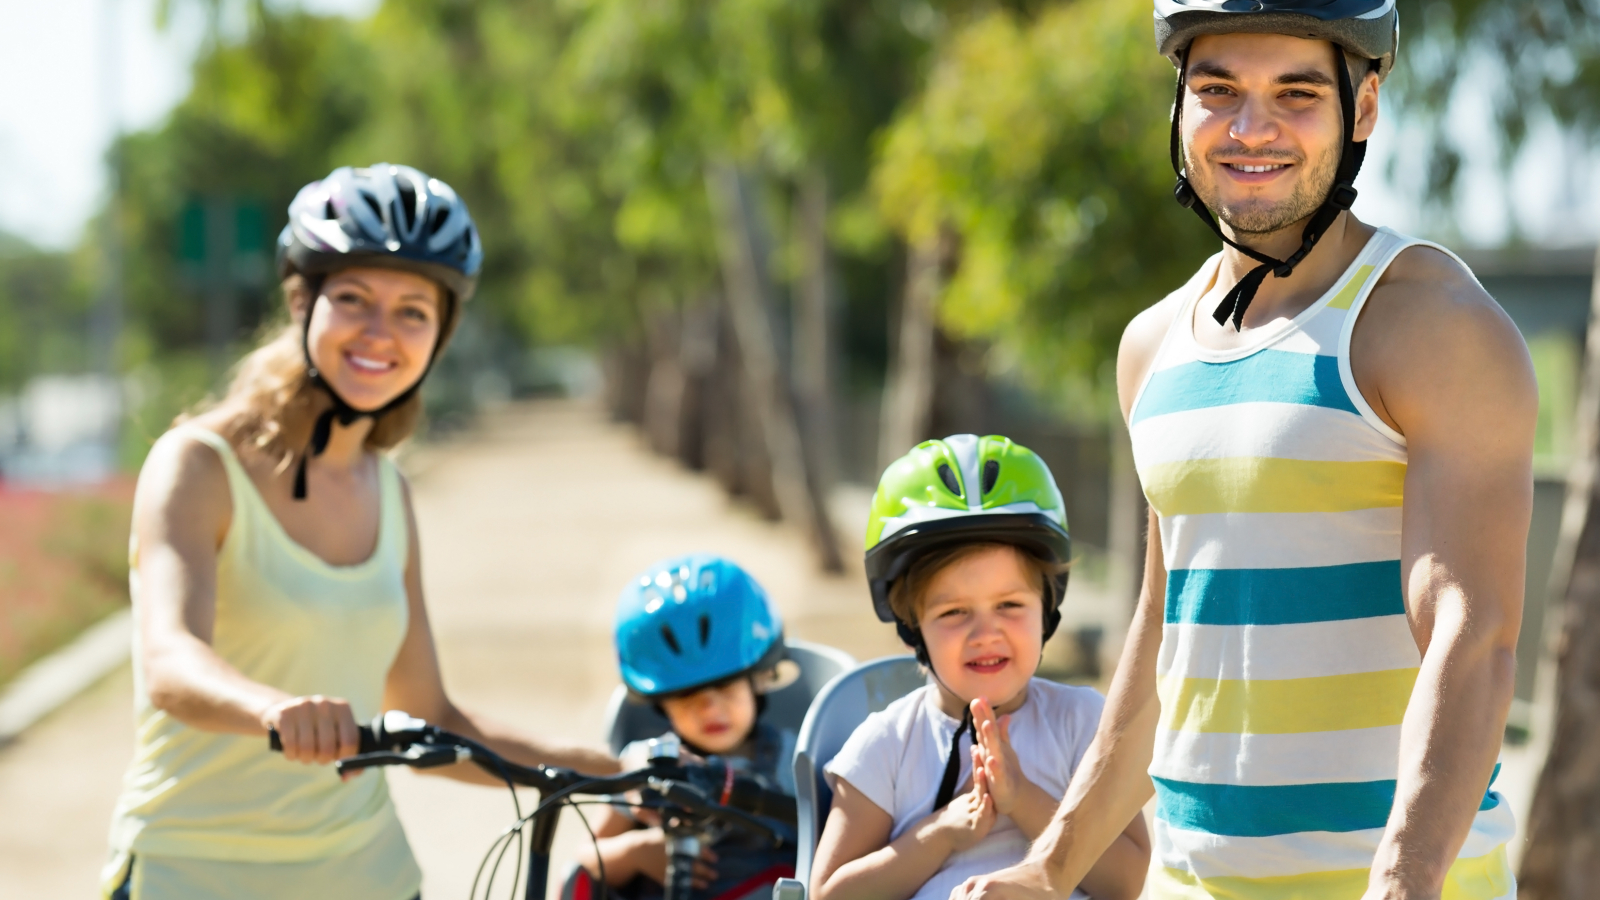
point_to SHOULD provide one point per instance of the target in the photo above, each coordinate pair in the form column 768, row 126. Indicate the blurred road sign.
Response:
column 222, row 249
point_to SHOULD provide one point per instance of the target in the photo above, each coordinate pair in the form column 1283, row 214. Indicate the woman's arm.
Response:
column 1119, row 873
column 180, row 517
column 415, row 686
column 853, row 862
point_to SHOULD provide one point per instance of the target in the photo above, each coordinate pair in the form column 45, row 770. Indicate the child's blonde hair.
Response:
column 907, row 593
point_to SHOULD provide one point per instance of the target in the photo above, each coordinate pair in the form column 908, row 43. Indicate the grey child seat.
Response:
column 844, row 703
column 820, row 665
column 786, row 708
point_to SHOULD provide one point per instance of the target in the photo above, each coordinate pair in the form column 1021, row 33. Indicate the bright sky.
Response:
column 56, row 120
column 56, row 109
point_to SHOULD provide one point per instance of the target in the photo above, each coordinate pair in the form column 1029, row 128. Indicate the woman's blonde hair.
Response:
column 274, row 402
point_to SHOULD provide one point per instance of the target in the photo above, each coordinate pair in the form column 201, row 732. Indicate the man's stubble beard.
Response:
column 1256, row 217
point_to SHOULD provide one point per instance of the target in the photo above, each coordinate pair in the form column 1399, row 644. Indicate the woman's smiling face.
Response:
column 373, row 331
column 982, row 619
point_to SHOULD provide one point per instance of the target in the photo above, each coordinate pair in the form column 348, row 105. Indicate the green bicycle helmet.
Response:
column 960, row 490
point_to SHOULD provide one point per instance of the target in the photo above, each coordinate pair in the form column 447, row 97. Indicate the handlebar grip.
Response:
column 752, row 798
column 367, row 740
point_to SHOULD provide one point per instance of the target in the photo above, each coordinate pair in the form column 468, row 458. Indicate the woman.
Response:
column 275, row 573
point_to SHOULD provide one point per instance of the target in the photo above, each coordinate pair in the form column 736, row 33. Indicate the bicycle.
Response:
column 697, row 801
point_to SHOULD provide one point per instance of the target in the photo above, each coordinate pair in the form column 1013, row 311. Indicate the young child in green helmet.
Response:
column 967, row 549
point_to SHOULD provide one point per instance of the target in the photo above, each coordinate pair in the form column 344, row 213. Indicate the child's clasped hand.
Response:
column 992, row 754
column 967, row 818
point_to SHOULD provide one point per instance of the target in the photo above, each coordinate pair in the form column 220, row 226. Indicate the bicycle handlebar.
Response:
column 714, row 791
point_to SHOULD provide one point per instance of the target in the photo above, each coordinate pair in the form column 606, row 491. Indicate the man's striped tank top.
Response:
column 1286, row 661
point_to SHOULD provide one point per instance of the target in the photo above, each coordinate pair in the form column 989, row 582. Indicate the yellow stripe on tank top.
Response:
column 1347, row 294
column 1286, row 705
column 1486, row 877
column 1265, row 484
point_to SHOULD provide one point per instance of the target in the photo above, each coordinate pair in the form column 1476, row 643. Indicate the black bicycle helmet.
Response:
column 387, row 216
column 1365, row 28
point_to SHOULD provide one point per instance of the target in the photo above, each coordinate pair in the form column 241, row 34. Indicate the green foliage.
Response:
column 1031, row 133
column 267, row 113
column 1041, row 144
column 44, row 313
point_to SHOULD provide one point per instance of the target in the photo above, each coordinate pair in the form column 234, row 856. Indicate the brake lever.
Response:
column 418, row 756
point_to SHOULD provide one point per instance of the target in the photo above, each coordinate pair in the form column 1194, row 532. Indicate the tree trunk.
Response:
column 667, row 385
column 749, row 303
column 1562, row 861
column 908, row 391
column 698, row 355
column 812, row 356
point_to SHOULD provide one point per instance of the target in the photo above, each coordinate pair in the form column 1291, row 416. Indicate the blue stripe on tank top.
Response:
column 1265, row 810
column 1270, row 376
column 1284, row 596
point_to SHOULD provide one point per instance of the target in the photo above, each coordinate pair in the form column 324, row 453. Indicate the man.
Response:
column 1334, row 426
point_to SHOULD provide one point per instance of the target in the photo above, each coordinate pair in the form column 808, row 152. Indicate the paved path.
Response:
column 530, row 527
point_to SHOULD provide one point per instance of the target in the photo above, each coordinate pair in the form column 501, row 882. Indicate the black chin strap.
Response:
column 952, row 763
column 1340, row 198
column 340, row 410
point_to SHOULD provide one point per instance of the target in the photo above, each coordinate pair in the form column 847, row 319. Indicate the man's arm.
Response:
column 1445, row 366
column 1112, row 783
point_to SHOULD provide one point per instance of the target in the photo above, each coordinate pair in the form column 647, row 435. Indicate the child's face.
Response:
column 717, row 719
column 983, row 623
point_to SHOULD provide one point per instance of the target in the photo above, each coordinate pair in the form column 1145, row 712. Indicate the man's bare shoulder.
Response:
column 1428, row 327
column 1427, row 296
column 1140, row 342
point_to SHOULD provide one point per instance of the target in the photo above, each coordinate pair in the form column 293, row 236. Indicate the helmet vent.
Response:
column 372, row 203
column 705, row 629
column 671, row 639
column 328, row 212
column 436, row 221
column 991, row 474
column 949, row 479
column 408, row 205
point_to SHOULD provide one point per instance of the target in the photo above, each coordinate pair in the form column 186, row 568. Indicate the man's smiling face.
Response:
column 1263, row 129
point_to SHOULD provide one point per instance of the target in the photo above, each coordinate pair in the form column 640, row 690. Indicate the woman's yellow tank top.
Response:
column 200, row 809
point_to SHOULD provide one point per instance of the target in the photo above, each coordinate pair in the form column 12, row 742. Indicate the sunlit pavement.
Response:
column 530, row 527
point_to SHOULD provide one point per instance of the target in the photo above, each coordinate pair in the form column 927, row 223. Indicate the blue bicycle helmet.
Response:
column 693, row 621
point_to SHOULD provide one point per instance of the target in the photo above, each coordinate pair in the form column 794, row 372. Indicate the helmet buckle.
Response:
column 1184, row 193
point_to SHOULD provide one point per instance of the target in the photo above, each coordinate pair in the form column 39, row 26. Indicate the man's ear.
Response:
column 1366, row 107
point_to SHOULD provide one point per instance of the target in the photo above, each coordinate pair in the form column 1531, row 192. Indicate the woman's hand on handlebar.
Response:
column 315, row 729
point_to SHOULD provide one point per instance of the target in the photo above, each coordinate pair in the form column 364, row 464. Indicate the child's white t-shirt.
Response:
column 896, row 759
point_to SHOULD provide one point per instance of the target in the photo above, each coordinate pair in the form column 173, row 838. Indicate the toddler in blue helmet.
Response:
column 699, row 638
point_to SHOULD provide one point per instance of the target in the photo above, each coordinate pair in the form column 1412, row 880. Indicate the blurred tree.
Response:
column 1532, row 58
column 267, row 112
column 44, row 310
column 1033, row 167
